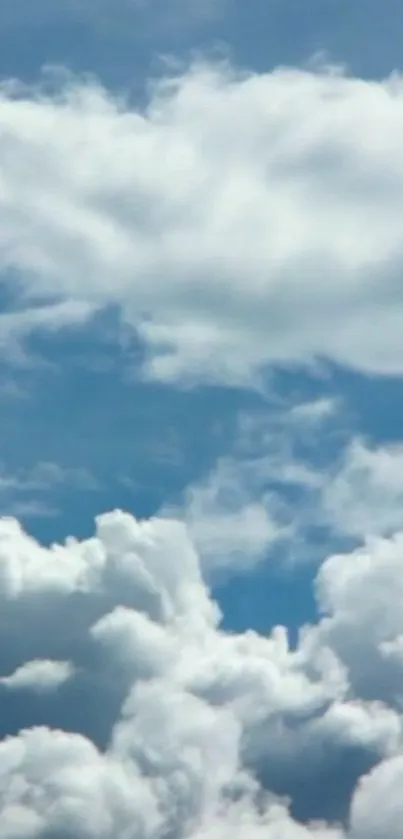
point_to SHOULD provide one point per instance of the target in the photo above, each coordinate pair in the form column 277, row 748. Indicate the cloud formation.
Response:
column 204, row 732
column 364, row 496
column 239, row 220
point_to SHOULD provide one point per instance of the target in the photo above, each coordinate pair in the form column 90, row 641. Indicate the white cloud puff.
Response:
column 377, row 805
column 239, row 220
column 364, row 496
column 58, row 784
column 360, row 594
column 38, row 675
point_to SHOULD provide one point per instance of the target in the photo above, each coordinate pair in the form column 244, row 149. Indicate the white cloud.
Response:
column 293, row 470
column 377, row 806
column 360, row 594
column 239, row 513
column 241, row 220
column 315, row 412
column 57, row 783
column 364, row 497
column 39, row 676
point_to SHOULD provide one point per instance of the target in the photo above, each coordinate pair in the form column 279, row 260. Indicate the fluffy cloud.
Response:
column 364, row 496
column 239, row 220
column 377, row 804
column 38, row 675
column 203, row 730
column 58, row 784
column 360, row 596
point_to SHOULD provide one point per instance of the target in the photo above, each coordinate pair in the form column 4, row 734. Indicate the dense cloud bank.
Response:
column 173, row 727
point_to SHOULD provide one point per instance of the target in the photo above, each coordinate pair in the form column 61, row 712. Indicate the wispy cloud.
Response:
column 32, row 492
column 297, row 482
column 258, row 500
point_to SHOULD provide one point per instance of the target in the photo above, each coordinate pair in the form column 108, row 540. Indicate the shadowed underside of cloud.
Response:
column 204, row 729
column 240, row 220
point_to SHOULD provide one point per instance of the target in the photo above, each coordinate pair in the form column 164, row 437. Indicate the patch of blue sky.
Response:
column 122, row 43
column 122, row 442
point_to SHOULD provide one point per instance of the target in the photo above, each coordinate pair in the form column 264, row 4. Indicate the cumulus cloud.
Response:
column 239, row 220
column 58, row 784
column 377, row 806
column 364, row 497
column 205, row 732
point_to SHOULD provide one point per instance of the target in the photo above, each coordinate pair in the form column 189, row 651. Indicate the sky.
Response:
column 201, row 403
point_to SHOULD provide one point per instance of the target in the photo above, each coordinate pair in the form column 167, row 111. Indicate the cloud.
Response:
column 365, row 495
column 370, row 818
column 59, row 784
column 359, row 594
column 240, row 220
column 180, row 727
column 292, row 474
column 38, row 675
column 297, row 477
column 257, row 500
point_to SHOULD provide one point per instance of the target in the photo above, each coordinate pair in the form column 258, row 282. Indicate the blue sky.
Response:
column 201, row 401
column 125, row 45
